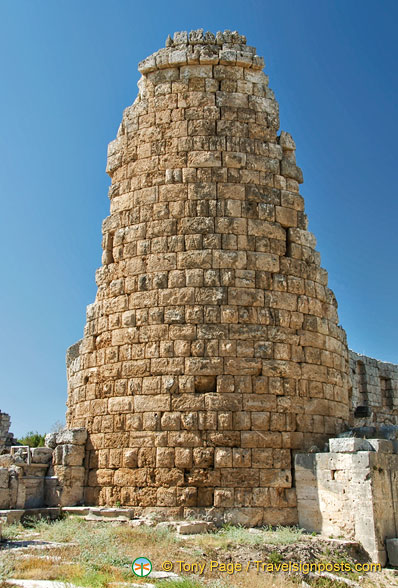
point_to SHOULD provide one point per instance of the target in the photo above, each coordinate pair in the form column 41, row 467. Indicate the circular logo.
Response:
column 141, row 567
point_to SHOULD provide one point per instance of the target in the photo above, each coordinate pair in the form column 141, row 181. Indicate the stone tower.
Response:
column 213, row 348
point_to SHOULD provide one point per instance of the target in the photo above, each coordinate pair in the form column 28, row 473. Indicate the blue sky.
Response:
column 69, row 68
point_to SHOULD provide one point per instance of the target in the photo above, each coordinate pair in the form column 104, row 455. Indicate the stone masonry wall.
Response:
column 6, row 438
column 351, row 492
column 374, row 394
column 213, row 346
column 44, row 476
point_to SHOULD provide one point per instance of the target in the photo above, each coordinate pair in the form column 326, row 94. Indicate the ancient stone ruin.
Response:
column 6, row 438
column 50, row 476
column 213, row 352
column 213, row 347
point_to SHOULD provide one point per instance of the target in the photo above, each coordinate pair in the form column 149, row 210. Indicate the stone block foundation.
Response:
column 351, row 492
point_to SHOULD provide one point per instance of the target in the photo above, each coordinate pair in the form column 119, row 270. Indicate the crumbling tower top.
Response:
column 197, row 47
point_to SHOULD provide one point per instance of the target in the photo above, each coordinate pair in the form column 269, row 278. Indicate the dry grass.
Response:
column 98, row 554
column 38, row 568
column 231, row 535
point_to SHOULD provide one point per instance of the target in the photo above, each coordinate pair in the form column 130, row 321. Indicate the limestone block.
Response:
column 275, row 478
column 187, row 496
column 147, row 65
column 287, row 217
column 184, row 439
column 381, row 445
column 71, row 495
column 129, row 477
column 302, row 237
column 4, row 477
column 183, row 457
column 178, row 57
column 166, row 497
column 165, row 457
column 69, row 475
column 204, row 159
column 51, row 440
column 5, row 498
column 223, row 457
column 52, row 491
column 196, row 37
column 392, row 551
column 41, row 454
column 159, row 402
column 195, row 71
column 68, row 455
column 120, row 405
column 180, row 38
column 199, row 366
column 76, row 436
column 6, row 460
column 247, row 517
column 349, row 445
column 130, row 459
column 262, row 458
column 34, row 491
column 194, row 527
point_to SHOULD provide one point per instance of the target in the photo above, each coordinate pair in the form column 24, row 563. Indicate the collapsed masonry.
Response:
column 6, row 438
column 212, row 353
column 44, row 476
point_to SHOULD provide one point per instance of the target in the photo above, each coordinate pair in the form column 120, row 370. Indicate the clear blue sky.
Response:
column 69, row 68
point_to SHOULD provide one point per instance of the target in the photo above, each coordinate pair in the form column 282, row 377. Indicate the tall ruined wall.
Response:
column 213, row 346
column 374, row 393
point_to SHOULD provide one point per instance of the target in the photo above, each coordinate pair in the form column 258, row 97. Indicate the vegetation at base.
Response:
column 11, row 532
column 266, row 535
column 33, row 439
column 275, row 557
column 185, row 583
column 327, row 583
column 98, row 555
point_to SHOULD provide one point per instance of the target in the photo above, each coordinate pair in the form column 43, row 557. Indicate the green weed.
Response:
column 275, row 557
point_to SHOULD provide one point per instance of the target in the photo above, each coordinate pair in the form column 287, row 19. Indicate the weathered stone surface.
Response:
column 349, row 494
column 41, row 454
column 6, row 438
column 194, row 527
column 381, row 445
column 51, row 440
column 5, row 498
column 374, row 392
column 74, row 436
column 348, row 445
column 68, row 455
column 392, row 551
column 4, row 477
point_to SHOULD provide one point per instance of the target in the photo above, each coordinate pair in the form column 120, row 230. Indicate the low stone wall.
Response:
column 374, row 392
column 52, row 476
column 351, row 492
column 22, row 484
